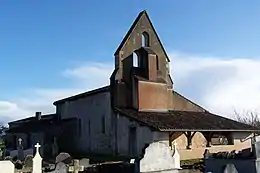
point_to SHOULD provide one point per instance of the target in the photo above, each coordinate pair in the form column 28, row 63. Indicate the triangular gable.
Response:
column 137, row 20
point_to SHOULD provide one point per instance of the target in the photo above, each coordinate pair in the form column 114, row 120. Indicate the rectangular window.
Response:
column 29, row 140
column 157, row 63
column 14, row 142
column 79, row 127
column 132, row 141
column 89, row 127
column 103, row 124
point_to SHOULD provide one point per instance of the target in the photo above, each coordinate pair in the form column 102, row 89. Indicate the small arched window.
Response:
column 145, row 39
column 157, row 63
column 135, row 60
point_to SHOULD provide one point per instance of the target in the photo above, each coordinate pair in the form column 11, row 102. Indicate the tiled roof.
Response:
column 43, row 117
column 186, row 121
column 82, row 95
column 39, row 125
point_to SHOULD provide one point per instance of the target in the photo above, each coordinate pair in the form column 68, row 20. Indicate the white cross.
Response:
column 37, row 146
column 20, row 141
column 76, row 168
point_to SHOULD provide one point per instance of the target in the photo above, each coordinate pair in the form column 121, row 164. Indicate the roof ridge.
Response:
column 90, row 92
column 190, row 100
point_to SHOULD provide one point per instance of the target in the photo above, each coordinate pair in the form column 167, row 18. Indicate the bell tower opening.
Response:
column 135, row 60
column 157, row 63
column 145, row 39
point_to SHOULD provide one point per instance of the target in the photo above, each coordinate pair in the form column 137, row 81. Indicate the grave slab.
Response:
column 7, row 166
column 158, row 158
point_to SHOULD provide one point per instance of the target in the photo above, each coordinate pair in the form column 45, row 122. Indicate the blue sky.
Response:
column 42, row 39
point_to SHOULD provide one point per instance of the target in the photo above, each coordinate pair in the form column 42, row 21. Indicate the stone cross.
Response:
column 20, row 149
column 20, row 142
column 37, row 146
column 76, row 168
column 37, row 160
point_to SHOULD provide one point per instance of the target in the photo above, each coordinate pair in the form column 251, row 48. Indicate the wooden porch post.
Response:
column 208, row 136
column 170, row 139
column 189, row 136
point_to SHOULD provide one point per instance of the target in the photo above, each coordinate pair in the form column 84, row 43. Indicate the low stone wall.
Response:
column 26, row 152
column 189, row 171
column 243, row 165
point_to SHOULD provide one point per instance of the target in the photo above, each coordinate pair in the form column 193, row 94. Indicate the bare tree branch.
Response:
column 250, row 118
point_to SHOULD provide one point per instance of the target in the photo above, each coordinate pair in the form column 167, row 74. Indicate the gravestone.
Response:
column 6, row 166
column 37, row 160
column 20, row 149
column 230, row 168
column 28, row 162
column 176, row 157
column 61, row 168
column 76, row 168
column 257, row 150
column 158, row 158
column 63, row 157
column 84, row 162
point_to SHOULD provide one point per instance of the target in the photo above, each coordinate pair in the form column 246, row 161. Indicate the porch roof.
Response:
column 186, row 121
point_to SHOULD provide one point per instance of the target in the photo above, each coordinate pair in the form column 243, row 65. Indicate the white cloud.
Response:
column 84, row 77
column 218, row 84
column 223, row 84
column 90, row 74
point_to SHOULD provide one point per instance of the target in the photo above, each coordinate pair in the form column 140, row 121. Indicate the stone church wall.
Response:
column 99, row 127
column 144, row 135
column 94, row 122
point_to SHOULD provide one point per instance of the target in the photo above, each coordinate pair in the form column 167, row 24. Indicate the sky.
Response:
column 54, row 49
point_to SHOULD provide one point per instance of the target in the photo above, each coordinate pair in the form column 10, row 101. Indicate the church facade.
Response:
column 138, row 107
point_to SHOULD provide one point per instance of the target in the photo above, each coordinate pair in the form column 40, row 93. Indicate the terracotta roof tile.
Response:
column 186, row 121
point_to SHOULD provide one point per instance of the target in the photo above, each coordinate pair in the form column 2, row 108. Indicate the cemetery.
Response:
column 157, row 157
column 138, row 116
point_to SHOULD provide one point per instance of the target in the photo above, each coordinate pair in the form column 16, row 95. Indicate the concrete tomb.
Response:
column 230, row 168
column 6, row 166
column 158, row 158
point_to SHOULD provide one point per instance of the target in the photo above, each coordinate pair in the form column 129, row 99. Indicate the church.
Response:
column 138, row 107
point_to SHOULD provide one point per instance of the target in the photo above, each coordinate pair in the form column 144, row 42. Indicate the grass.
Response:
column 2, row 145
column 191, row 161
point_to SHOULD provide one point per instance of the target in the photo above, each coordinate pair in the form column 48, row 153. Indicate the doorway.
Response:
column 132, row 142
